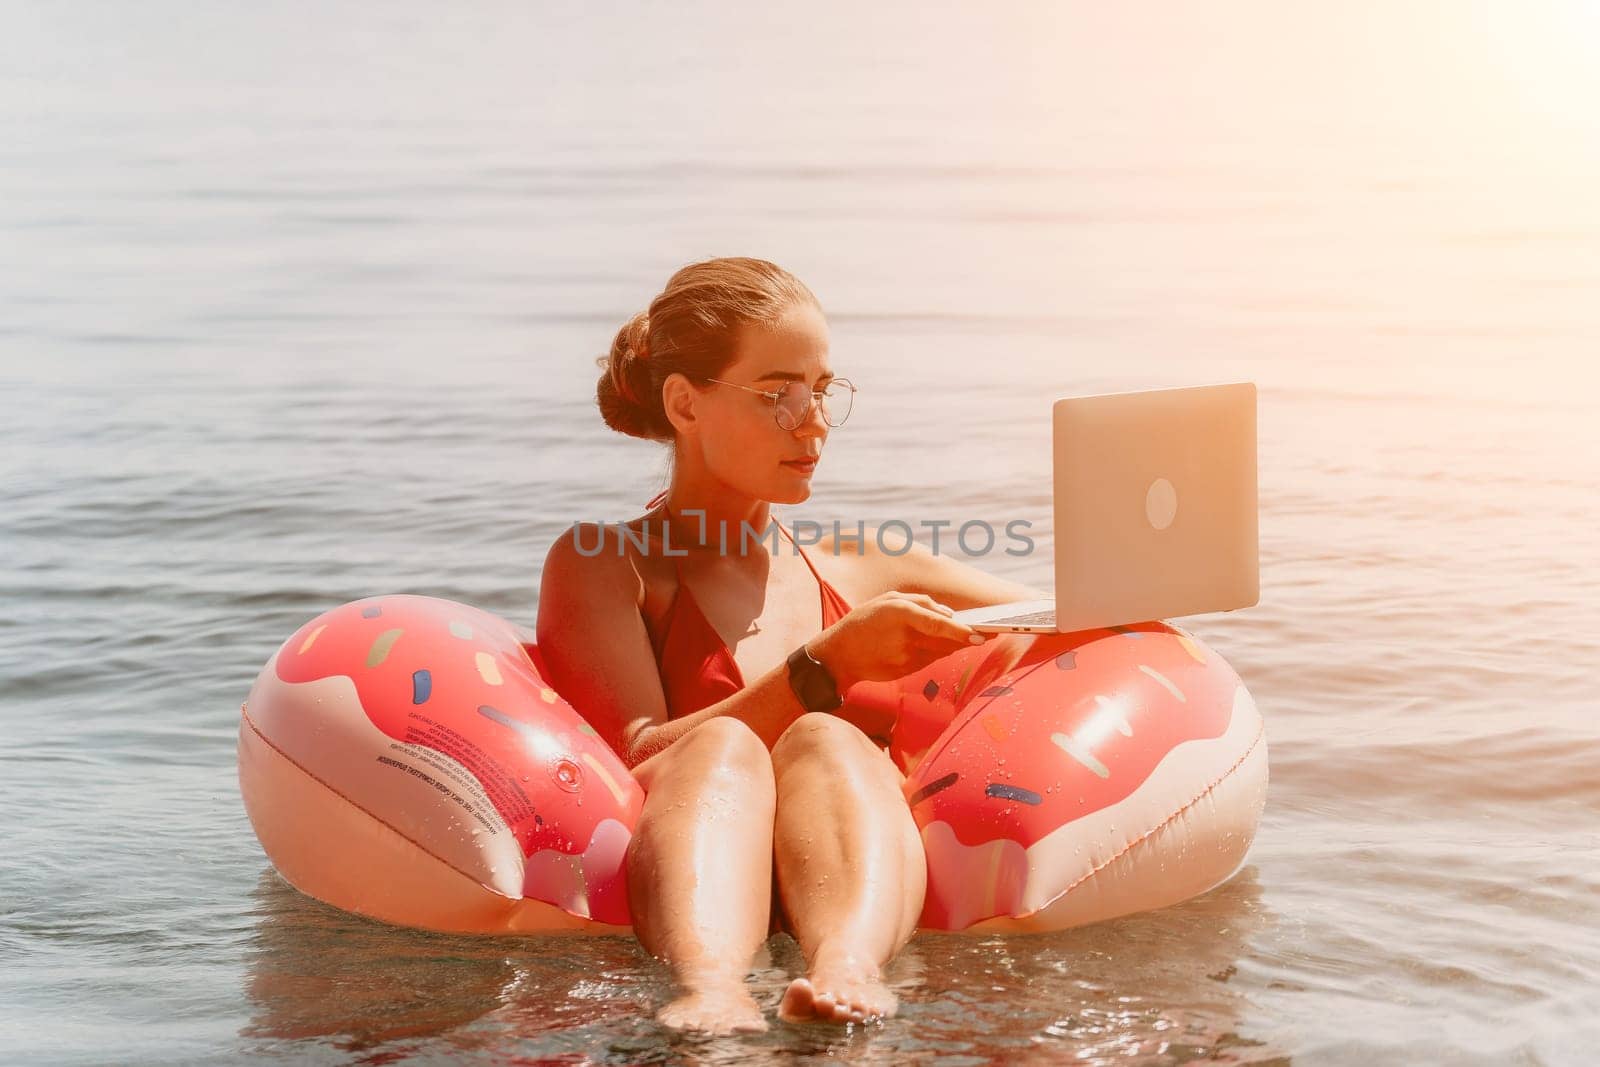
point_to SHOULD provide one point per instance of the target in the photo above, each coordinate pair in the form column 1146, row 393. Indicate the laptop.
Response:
column 1155, row 511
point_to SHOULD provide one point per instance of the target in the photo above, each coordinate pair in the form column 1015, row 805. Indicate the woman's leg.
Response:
column 700, row 871
column 850, row 865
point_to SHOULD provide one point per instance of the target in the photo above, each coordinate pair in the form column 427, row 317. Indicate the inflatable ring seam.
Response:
column 1210, row 787
column 342, row 795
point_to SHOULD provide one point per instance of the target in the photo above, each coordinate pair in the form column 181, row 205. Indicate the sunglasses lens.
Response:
column 794, row 402
column 836, row 401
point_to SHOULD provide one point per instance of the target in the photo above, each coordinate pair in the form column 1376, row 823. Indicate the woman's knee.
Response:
column 818, row 735
column 722, row 749
column 727, row 740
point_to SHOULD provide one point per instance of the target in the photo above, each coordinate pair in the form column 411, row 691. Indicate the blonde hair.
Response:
column 691, row 328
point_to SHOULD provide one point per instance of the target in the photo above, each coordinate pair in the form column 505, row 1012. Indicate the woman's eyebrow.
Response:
column 791, row 376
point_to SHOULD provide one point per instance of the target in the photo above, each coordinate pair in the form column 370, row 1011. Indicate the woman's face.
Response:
column 741, row 440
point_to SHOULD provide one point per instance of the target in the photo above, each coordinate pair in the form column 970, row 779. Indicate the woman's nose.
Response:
column 813, row 423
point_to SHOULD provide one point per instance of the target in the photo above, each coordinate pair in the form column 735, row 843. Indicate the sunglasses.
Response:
column 791, row 405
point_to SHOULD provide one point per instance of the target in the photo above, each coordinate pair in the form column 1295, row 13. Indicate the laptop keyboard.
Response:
column 1046, row 617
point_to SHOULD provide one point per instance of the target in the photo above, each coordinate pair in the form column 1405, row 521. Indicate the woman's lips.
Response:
column 804, row 466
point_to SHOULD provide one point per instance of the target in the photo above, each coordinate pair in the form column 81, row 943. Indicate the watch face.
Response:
column 811, row 682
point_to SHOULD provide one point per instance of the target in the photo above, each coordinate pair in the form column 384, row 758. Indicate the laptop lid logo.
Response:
column 1161, row 503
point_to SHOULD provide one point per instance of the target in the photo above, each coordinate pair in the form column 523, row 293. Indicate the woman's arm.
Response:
column 592, row 638
column 943, row 577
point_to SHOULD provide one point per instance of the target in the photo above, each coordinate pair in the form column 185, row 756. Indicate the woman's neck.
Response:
column 703, row 526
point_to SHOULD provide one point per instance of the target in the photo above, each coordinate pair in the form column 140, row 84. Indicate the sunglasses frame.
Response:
column 812, row 402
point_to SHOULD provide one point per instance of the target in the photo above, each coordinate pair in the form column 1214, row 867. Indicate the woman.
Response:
column 743, row 783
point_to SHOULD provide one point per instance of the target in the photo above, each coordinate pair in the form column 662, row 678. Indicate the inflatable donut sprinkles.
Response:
column 402, row 757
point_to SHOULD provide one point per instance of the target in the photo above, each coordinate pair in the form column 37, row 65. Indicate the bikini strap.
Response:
column 814, row 572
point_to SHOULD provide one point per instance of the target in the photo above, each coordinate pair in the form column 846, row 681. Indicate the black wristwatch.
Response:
column 811, row 682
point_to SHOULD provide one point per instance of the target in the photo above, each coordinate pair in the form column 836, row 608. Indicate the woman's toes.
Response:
column 799, row 1001
column 837, row 998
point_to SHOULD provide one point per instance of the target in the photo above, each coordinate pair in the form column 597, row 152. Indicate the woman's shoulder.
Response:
column 607, row 552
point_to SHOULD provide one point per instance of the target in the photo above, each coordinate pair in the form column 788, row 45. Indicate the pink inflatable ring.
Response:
column 402, row 757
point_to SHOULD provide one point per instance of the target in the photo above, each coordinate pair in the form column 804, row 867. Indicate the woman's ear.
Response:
column 678, row 398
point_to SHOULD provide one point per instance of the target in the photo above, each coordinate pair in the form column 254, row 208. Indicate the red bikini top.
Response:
column 697, row 668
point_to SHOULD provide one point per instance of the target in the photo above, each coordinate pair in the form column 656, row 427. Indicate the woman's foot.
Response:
column 714, row 1006
column 838, row 989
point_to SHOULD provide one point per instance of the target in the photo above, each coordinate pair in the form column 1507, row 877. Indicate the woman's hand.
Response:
column 888, row 637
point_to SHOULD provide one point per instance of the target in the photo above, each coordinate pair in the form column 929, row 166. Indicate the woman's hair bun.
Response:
column 628, row 392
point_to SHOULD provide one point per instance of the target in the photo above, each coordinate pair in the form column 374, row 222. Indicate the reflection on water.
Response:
column 315, row 972
column 1154, row 986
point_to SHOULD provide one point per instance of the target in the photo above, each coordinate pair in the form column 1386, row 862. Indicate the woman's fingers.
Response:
column 936, row 624
column 928, row 602
column 919, row 598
